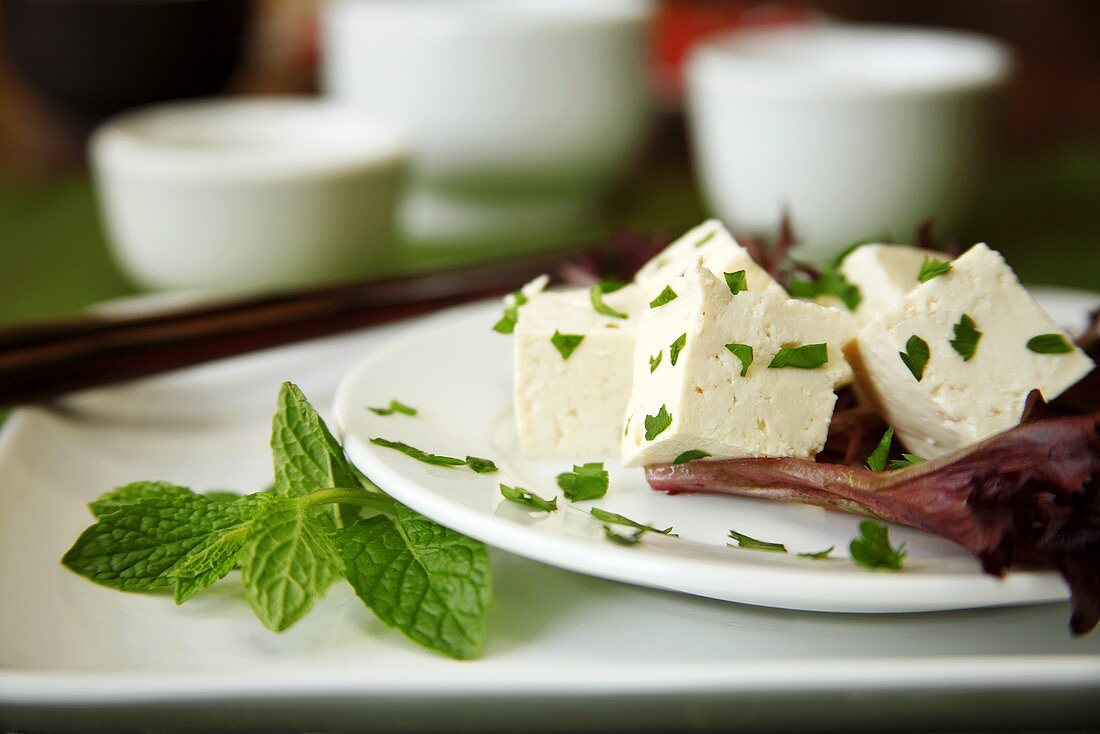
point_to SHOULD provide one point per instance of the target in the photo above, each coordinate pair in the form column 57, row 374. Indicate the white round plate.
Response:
column 458, row 373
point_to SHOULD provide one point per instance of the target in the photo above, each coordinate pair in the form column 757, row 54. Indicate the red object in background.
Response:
column 681, row 24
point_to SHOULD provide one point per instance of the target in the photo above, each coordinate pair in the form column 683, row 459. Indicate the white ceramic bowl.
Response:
column 859, row 130
column 520, row 111
column 245, row 194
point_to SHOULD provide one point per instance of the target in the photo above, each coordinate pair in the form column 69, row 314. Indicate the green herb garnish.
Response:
column 877, row 460
column 818, row 555
column 480, row 466
column 873, row 550
column 1049, row 344
column 675, row 347
column 507, row 323
column 806, row 357
column 830, row 283
column 931, row 267
column 622, row 539
column 396, row 406
column 521, row 496
column 705, row 239
column 663, row 297
column 654, row 361
column 744, row 541
column 598, row 291
column 915, row 356
column 614, row 518
column 566, row 343
column 585, row 482
column 656, row 424
column 690, row 455
column 737, row 282
column 743, row 352
column 966, row 338
column 906, row 460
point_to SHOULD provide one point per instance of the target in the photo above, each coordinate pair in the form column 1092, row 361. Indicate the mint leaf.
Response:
column 737, row 282
column 656, row 424
column 906, row 460
column 675, row 348
column 396, row 406
column 430, row 583
column 521, row 496
column 830, row 283
column 614, row 518
column 305, row 454
column 566, row 343
column 705, row 239
column 744, row 541
column 621, row 539
column 873, row 550
column 806, row 357
column 877, row 460
column 818, row 555
column 133, row 492
column 1049, row 344
column 479, row 466
column 598, row 291
column 654, row 361
column 666, row 296
column 690, row 455
column 137, row 546
column 931, row 268
column 585, row 482
column 743, row 352
column 966, row 338
column 287, row 562
column 915, row 356
column 507, row 323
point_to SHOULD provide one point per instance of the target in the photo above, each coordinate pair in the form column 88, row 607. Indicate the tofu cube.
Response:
column 884, row 274
column 570, row 398
column 689, row 392
column 975, row 322
column 712, row 245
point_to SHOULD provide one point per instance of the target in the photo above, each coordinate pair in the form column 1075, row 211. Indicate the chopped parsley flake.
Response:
column 743, row 352
column 831, row 283
column 906, row 460
column 932, row 267
column 675, row 347
column 873, row 550
column 614, row 518
column 396, row 406
column 585, row 482
column 1049, row 344
column 966, row 338
column 663, row 297
column 656, row 424
column 705, row 239
column 521, row 496
column 654, row 361
column 915, row 356
column 744, row 541
column 480, row 466
column 805, row 357
column 621, row 539
column 690, row 455
column 877, row 460
column 566, row 343
column 737, row 282
column 818, row 555
column 597, row 293
column 507, row 323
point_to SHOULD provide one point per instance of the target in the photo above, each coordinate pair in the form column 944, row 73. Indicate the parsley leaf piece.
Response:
column 818, row 555
column 428, row 582
column 705, row 239
column 614, row 518
column 585, row 482
column 507, row 323
column 744, row 541
column 906, row 460
column 417, row 454
column 480, row 466
column 675, row 347
column 521, row 496
column 655, row 361
column 737, row 282
column 566, row 343
column 873, row 550
column 931, row 268
column 288, row 562
column 305, row 454
column 690, row 455
column 877, row 460
column 805, row 357
column 966, row 338
column 598, row 291
column 663, row 297
column 1049, row 344
column 621, row 539
column 743, row 352
column 396, row 406
column 655, row 424
column 915, row 356
column 831, row 283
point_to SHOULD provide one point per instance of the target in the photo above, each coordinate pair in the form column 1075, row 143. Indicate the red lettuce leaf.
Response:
column 1028, row 495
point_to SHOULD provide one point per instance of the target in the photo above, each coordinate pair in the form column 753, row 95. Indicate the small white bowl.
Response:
column 247, row 194
column 858, row 130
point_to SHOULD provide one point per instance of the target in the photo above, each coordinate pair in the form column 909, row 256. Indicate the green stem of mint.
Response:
column 342, row 496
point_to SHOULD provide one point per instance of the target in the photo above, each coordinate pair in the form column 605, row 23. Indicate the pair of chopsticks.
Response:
column 43, row 361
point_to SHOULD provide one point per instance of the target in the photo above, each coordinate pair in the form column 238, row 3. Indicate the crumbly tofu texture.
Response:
column 573, row 408
column 712, row 245
column 884, row 274
column 959, row 402
column 766, row 412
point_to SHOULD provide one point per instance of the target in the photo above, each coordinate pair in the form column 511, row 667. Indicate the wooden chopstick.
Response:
column 39, row 362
